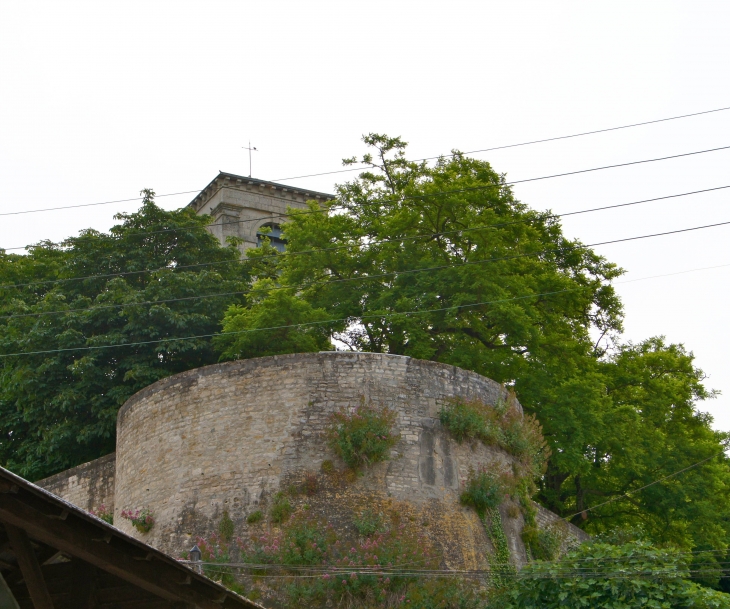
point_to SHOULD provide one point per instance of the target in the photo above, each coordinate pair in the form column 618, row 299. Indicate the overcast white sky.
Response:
column 101, row 99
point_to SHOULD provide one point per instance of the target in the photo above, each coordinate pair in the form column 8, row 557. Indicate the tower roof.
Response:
column 224, row 179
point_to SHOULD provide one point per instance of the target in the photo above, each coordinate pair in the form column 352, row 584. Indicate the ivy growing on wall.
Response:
column 484, row 492
column 504, row 426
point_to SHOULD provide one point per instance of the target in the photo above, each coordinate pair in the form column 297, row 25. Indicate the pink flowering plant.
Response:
column 217, row 553
column 363, row 436
column 142, row 520
column 103, row 512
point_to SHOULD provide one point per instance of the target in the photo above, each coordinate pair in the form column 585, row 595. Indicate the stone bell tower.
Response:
column 241, row 207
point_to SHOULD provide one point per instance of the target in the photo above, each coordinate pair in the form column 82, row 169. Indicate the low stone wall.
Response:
column 87, row 486
column 569, row 533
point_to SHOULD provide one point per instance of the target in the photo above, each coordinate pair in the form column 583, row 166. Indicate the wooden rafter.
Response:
column 29, row 567
column 82, row 539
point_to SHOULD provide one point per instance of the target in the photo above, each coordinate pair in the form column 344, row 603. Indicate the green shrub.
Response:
column 364, row 436
column 327, row 466
column 368, row 523
column 226, row 528
column 541, row 544
column 483, row 491
column 310, row 484
column 499, row 425
column 629, row 576
column 502, row 569
column 255, row 517
column 467, row 421
column 281, row 509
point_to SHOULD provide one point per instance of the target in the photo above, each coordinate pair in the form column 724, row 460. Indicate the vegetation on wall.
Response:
column 501, row 425
column 362, row 436
column 104, row 513
column 308, row 563
column 141, row 519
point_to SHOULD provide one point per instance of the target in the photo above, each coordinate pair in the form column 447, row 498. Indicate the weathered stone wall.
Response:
column 88, row 486
column 568, row 533
column 227, row 437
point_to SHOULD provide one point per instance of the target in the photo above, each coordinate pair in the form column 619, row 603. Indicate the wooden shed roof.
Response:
column 54, row 555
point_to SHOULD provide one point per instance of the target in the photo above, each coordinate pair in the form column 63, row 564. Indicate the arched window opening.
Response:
column 274, row 235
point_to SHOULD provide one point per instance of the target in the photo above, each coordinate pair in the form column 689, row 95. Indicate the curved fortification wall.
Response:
column 229, row 436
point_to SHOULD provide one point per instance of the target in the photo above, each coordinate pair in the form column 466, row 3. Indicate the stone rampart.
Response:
column 87, row 486
column 229, row 436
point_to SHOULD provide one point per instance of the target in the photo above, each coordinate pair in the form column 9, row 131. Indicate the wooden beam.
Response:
column 76, row 537
column 8, row 487
column 29, row 567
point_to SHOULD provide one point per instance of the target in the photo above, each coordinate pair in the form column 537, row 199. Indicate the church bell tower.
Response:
column 242, row 207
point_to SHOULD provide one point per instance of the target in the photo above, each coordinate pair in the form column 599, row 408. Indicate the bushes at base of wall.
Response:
column 628, row 576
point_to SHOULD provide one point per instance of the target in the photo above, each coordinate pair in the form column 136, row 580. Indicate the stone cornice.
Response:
column 230, row 180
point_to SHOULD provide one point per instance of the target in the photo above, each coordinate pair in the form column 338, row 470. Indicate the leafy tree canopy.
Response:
column 59, row 409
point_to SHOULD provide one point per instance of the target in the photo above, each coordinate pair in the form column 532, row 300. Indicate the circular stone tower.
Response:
column 228, row 437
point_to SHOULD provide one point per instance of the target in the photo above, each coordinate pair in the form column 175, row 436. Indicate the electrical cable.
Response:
column 282, row 327
column 302, row 213
column 360, row 278
column 329, row 321
column 34, row 211
column 629, row 493
column 557, row 175
column 397, row 239
column 618, row 573
column 384, row 569
column 528, row 143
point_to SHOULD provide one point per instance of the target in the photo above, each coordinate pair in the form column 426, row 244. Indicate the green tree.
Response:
column 298, row 326
column 458, row 219
column 653, row 429
column 142, row 288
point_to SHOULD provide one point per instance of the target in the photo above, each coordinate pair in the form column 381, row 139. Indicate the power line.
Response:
column 528, row 143
column 282, row 327
column 400, row 568
column 558, row 175
column 328, row 321
column 562, row 137
column 621, row 571
column 126, row 273
column 34, row 211
column 367, row 277
column 302, row 213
